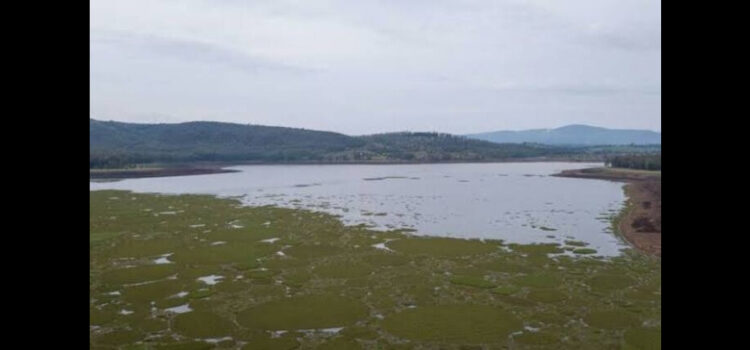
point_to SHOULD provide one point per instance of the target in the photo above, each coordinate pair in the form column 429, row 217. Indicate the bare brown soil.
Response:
column 640, row 223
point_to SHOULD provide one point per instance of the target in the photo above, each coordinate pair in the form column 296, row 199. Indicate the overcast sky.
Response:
column 368, row 66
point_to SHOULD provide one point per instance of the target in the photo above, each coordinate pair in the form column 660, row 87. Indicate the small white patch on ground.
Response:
column 179, row 309
column 164, row 259
column 270, row 240
column 331, row 331
column 125, row 312
column 276, row 334
column 334, row 330
column 180, row 295
column 197, row 225
column 117, row 292
column 211, row 279
column 216, row 340
column 531, row 329
column 167, row 213
column 267, row 223
column 218, row 243
column 280, row 253
column 381, row 246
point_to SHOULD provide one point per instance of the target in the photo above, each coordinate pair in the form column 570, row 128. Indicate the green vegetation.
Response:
column 307, row 312
column 462, row 324
column 472, row 281
column 635, row 161
column 332, row 289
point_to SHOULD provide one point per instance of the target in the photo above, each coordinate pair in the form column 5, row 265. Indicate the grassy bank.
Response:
column 197, row 272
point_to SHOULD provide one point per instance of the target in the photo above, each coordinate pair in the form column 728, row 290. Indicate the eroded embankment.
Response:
column 198, row 272
column 640, row 221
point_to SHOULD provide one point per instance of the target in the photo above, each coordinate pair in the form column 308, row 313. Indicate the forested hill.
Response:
column 117, row 144
column 574, row 135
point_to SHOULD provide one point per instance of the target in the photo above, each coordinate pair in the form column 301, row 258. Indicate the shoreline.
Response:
column 117, row 174
column 639, row 222
column 204, row 168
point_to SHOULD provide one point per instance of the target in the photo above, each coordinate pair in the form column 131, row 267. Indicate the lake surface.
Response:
column 515, row 202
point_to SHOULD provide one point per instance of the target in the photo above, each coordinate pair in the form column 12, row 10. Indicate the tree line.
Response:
column 635, row 161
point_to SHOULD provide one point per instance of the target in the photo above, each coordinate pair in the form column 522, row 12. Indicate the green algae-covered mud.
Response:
column 199, row 272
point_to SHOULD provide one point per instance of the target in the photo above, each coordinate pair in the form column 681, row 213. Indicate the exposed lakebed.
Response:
column 514, row 202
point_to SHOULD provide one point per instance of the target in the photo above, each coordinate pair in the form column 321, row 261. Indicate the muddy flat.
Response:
column 640, row 222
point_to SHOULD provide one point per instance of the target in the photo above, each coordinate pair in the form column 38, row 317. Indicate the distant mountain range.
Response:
column 117, row 144
column 573, row 135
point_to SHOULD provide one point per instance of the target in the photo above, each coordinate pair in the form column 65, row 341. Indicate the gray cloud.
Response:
column 195, row 51
column 374, row 66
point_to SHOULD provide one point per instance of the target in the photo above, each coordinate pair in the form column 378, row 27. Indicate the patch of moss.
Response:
column 538, row 280
column 192, row 345
column 284, row 342
column 340, row 343
column 537, row 249
column 512, row 300
column 536, row 338
column 343, row 269
column 151, row 325
column 609, row 282
column 312, row 251
column 358, row 332
column 471, row 324
column 138, row 274
column 576, row 243
column 118, row 337
column 643, row 339
column 100, row 317
column 547, row 295
column 239, row 253
column 202, row 324
column 306, row 312
column 146, row 293
column 201, row 293
column 386, row 259
column 506, row 290
column 472, row 281
column 611, row 319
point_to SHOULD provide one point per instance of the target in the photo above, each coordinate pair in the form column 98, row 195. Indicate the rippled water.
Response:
column 516, row 202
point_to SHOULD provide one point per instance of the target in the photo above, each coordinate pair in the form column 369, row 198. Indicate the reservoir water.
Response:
column 515, row 202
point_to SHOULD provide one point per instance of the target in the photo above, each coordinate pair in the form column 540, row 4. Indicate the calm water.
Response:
column 509, row 201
